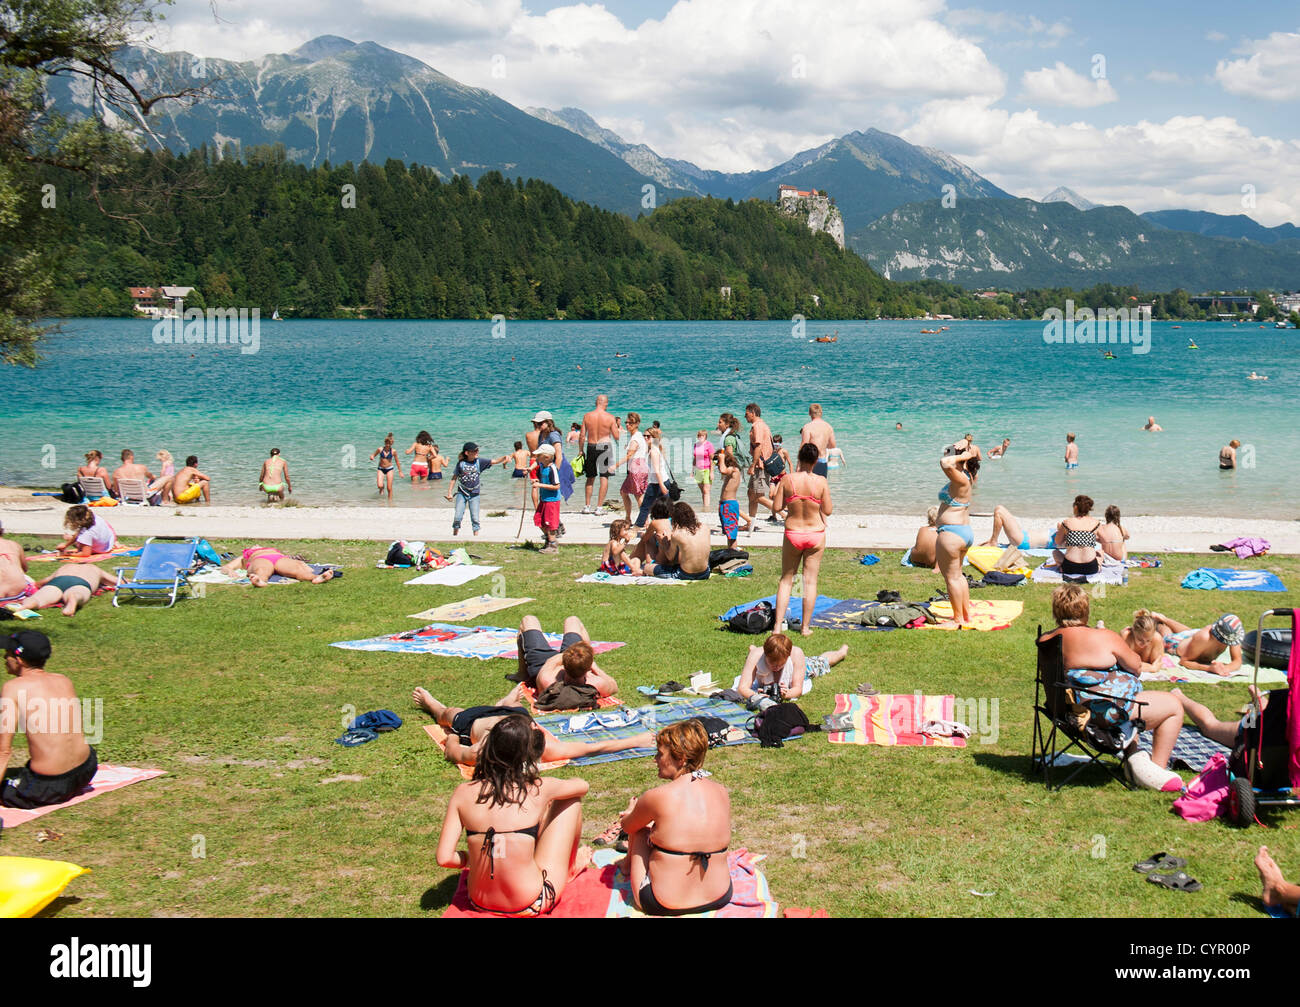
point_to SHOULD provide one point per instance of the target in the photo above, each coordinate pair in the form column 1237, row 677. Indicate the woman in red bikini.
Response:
column 807, row 499
column 523, row 830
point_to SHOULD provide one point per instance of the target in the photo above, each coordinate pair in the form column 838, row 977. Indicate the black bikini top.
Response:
column 491, row 835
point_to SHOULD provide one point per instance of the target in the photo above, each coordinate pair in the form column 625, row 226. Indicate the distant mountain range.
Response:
column 1022, row 243
column 336, row 100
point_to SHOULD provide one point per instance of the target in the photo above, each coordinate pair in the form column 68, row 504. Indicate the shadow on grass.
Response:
column 441, row 894
column 57, row 906
column 1018, row 766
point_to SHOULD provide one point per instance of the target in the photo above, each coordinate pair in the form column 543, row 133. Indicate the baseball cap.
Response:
column 543, row 415
column 545, row 449
column 30, row 644
column 1227, row 629
column 469, row 446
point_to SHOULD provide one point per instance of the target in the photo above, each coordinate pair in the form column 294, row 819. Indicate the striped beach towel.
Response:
column 445, row 640
column 894, row 720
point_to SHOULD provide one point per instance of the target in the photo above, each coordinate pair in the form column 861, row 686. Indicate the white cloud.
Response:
column 979, row 24
column 1060, row 85
column 1168, row 77
column 1215, row 36
column 1271, row 70
column 1191, row 162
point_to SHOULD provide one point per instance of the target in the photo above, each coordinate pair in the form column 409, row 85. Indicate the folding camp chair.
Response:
column 1059, row 715
column 93, row 487
column 162, row 570
column 133, row 491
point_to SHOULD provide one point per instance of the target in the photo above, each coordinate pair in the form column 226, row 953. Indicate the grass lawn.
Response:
column 238, row 697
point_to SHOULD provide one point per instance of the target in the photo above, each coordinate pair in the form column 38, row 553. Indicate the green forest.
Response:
column 396, row 241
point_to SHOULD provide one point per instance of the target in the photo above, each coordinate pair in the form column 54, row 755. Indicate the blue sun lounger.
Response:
column 162, row 570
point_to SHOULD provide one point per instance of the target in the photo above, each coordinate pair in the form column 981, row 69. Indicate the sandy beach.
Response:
column 24, row 514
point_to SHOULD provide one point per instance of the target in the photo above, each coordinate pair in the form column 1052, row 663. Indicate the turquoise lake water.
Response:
column 326, row 392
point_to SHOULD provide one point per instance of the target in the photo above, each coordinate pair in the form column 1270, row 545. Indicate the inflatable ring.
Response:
column 29, row 884
column 1275, row 651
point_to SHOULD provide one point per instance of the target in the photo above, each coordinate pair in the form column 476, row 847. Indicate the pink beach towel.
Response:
column 106, row 778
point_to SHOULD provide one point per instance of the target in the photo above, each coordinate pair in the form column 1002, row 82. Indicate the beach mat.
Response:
column 445, row 640
column 107, row 778
column 793, row 614
column 847, row 614
column 894, row 720
column 1209, row 578
column 598, row 893
column 453, row 576
column 651, row 718
column 52, row 557
column 468, row 608
column 1192, row 749
column 625, row 580
column 1172, row 672
column 986, row 614
column 1110, row 573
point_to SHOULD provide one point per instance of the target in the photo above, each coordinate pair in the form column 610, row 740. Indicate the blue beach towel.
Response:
column 822, row 603
column 1208, row 578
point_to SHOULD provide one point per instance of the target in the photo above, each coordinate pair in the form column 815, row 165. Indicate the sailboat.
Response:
column 275, row 316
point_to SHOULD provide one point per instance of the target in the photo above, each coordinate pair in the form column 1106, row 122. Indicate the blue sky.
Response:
column 1151, row 105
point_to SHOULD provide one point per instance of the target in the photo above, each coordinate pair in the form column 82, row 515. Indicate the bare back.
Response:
column 807, row 498
column 46, row 705
column 692, row 815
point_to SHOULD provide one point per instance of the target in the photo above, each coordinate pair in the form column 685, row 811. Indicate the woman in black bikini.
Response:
column 523, row 831
column 1076, row 541
column 388, row 464
column 678, row 833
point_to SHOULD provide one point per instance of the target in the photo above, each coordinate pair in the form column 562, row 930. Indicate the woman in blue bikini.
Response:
column 961, row 464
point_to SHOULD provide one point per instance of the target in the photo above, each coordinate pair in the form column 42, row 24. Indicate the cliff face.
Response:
column 819, row 213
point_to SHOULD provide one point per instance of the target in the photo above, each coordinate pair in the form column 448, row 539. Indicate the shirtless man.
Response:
column 44, row 704
column 190, row 482
column 1071, row 452
column 15, row 585
column 685, row 555
column 468, row 727
column 760, row 447
column 818, row 431
column 542, row 665
column 130, row 469
column 599, row 440
column 1152, row 426
column 1001, row 450
column 71, row 586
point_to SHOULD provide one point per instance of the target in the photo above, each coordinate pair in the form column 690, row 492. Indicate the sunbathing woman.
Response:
column 961, row 466
column 274, row 477
column 262, row 561
column 807, row 500
column 1153, row 635
column 1099, row 660
column 94, row 468
column 71, row 586
column 1112, row 536
column 1004, row 522
column 1076, row 551
column 523, row 831
column 678, row 833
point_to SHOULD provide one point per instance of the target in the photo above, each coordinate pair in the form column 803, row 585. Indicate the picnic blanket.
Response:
column 894, row 720
column 107, row 778
column 1192, row 749
column 986, row 614
column 624, row 579
column 455, row 575
column 1172, row 671
column 847, row 614
column 598, row 893
column 468, row 608
column 1111, row 572
column 1209, row 578
column 480, row 642
column 793, row 614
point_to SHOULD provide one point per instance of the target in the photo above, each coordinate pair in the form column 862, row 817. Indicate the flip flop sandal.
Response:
column 1180, row 882
column 866, row 689
column 609, row 836
column 1160, row 862
column 671, row 686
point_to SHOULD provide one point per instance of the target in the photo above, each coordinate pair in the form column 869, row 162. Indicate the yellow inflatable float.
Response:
column 29, row 884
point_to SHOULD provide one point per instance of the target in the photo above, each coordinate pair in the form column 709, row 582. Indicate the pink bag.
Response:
column 1206, row 796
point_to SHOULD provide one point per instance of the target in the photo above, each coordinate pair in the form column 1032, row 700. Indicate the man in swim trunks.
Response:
column 760, row 449
column 130, row 469
column 599, row 440
column 15, row 585
column 685, row 553
column 542, row 665
column 469, row 726
column 72, row 586
column 817, row 431
column 44, row 704
column 1197, row 649
column 190, row 483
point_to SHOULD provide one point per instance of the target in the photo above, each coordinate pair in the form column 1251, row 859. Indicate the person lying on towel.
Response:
column 1153, row 635
column 60, row 764
column 467, row 728
column 574, row 661
column 522, row 830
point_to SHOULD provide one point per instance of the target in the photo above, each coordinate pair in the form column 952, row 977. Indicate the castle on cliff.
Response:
column 815, row 207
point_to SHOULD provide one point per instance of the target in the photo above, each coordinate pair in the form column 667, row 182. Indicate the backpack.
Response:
column 760, row 618
column 72, row 493
column 1206, row 796
column 716, row 728
column 777, row 723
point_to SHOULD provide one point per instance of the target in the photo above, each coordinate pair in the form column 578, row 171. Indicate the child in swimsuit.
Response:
column 728, row 505
column 422, row 448
column 436, row 464
column 615, row 560
column 521, row 459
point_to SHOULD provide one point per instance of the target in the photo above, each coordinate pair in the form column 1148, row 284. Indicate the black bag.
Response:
column 773, row 465
column 1274, row 773
column 716, row 728
column 1000, row 578
column 777, row 723
column 397, row 556
column 761, row 618
column 719, row 556
column 72, row 493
